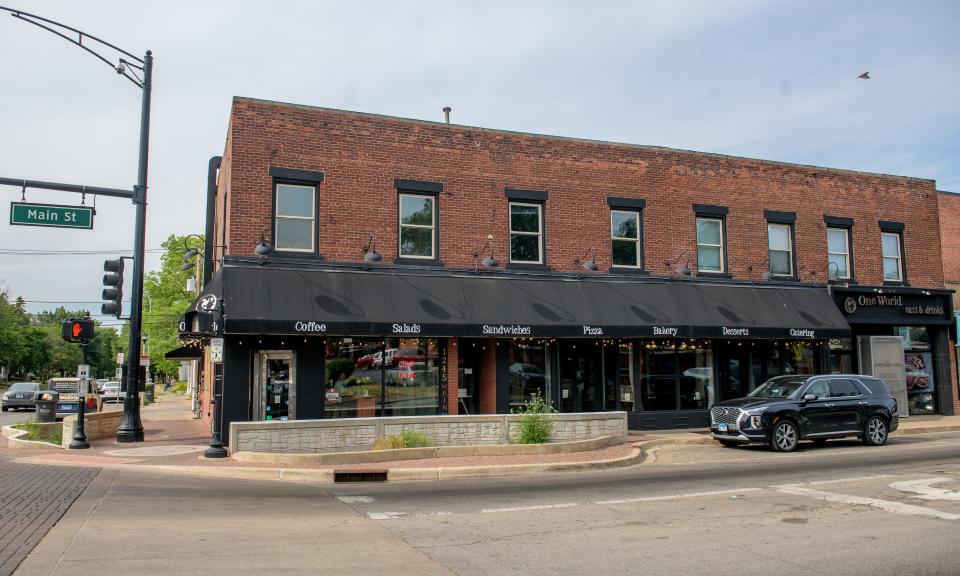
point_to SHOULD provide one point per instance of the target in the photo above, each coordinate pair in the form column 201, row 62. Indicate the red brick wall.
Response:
column 361, row 155
column 950, row 235
column 487, row 384
column 453, row 376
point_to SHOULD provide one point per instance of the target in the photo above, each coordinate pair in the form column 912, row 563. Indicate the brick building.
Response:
column 370, row 265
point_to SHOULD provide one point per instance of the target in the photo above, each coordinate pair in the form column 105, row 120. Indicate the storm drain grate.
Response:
column 360, row 475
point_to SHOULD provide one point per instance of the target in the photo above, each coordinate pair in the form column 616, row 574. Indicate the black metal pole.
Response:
column 79, row 441
column 216, row 449
column 131, row 428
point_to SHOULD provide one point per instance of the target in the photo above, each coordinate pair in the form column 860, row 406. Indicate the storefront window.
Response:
column 658, row 381
column 362, row 373
column 697, row 390
column 918, row 368
column 529, row 371
column 841, row 356
column 619, row 367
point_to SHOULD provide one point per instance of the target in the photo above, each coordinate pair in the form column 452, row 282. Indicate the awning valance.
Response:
column 320, row 301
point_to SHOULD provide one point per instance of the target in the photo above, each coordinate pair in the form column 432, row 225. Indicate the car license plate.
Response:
column 722, row 427
column 19, row 395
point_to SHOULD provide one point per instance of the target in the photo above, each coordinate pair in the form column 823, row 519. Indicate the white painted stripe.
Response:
column 528, row 508
column 677, row 496
column 837, row 480
column 886, row 505
column 922, row 489
column 385, row 515
column 354, row 499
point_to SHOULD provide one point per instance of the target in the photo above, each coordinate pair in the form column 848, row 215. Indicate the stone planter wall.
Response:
column 355, row 434
column 95, row 426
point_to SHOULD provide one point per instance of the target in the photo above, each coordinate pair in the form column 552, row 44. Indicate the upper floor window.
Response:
column 891, row 244
column 626, row 232
column 295, row 218
column 892, row 259
column 780, row 249
column 418, row 220
column 295, row 208
column 838, row 252
column 711, row 238
column 417, row 226
column 526, row 233
column 710, row 256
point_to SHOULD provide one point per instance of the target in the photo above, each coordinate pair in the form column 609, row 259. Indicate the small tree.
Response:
column 338, row 366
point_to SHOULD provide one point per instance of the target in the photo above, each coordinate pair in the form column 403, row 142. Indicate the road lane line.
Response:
column 529, row 508
column 676, row 496
column 886, row 505
column 820, row 482
column 922, row 489
column 347, row 499
column 385, row 515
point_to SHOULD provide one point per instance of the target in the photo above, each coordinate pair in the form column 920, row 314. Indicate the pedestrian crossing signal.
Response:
column 78, row 330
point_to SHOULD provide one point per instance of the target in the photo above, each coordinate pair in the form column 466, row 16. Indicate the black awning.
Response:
column 271, row 300
column 184, row 353
column 203, row 316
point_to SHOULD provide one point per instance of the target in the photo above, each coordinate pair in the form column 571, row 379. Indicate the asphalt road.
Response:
column 16, row 417
column 838, row 510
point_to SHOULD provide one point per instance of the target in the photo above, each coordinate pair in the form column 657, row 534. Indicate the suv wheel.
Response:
column 875, row 432
column 784, row 437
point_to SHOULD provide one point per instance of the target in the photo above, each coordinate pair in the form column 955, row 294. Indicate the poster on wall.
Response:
column 919, row 371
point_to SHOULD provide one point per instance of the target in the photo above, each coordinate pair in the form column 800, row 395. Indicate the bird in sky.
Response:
column 864, row 76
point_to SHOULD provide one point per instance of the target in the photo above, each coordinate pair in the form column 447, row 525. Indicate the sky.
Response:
column 775, row 80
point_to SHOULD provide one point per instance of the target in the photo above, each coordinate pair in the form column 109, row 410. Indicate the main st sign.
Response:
column 52, row 215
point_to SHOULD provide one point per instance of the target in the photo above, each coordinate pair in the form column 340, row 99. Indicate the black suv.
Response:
column 787, row 409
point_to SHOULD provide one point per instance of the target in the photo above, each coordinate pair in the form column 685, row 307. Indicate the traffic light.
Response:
column 113, row 288
column 78, row 330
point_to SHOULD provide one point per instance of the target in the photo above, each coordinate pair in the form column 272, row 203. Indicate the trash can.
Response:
column 47, row 406
column 148, row 393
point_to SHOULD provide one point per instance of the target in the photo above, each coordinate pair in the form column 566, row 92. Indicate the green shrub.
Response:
column 39, row 433
column 338, row 366
column 180, row 388
column 416, row 439
column 536, row 426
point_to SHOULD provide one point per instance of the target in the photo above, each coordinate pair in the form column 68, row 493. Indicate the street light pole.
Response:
column 131, row 428
column 127, row 65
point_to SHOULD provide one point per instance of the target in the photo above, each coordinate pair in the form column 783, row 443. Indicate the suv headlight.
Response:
column 753, row 418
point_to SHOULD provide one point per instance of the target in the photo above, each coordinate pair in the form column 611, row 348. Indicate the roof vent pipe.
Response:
column 446, row 114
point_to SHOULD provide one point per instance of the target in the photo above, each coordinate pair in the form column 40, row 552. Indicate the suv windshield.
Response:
column 779, row 387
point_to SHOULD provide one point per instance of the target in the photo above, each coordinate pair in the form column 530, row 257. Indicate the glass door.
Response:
column 275, row 386
column 580, row 373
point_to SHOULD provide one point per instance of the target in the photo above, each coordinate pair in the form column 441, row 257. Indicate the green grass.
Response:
column 38, row 433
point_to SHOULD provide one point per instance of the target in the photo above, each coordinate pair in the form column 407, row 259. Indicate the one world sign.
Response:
column 53, row 215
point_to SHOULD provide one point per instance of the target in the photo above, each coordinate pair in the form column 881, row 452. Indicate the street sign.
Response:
column 83, row 371
column 216, row 349
column 120, row 358
column 51, row 215
column 118, row 375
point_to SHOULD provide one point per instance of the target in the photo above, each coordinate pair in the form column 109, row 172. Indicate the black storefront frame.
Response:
column 880, row 310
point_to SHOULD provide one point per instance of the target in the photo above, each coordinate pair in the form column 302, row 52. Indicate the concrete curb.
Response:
column 14, row 442
column 926, row 429
column 382, row 456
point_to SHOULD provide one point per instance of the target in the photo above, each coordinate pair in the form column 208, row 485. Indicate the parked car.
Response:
column 21, row 395
column 409, row 355
column 786, row 409
column 378, row 358
column 366, row 361
column 100, row 383
column 68, row 401
column 111, row 393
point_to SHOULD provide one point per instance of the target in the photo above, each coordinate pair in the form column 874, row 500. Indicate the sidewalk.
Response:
column 174, row 441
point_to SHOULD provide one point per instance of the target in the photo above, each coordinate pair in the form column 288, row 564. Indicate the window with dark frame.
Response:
column 891, row 246
column 418, row 221
column 295, row 209
column 710, row 245
column 526, row 233
column 417, row 226
column 892, row 259
column 626, row 233
column 295, row 217
column 711, row 224
column 781, row 253
column 838, row 252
